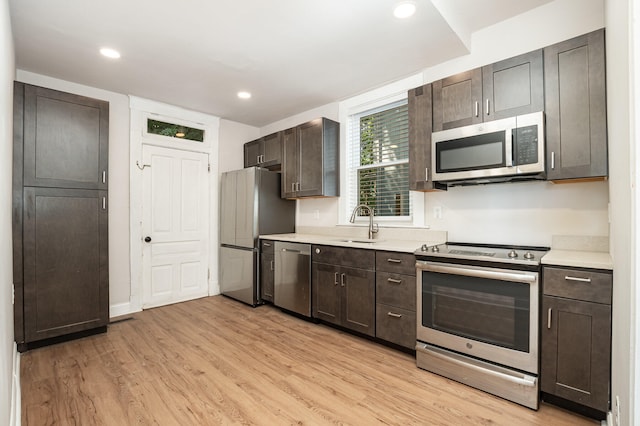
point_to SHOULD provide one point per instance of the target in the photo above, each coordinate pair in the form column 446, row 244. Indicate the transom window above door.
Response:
column 174, row 130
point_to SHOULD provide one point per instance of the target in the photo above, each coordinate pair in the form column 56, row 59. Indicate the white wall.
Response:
column 621, row 157
column 119, row 276
column 7, row 71
column 231, row 140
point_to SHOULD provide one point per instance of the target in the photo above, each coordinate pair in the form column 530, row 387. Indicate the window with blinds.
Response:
column 378, row 161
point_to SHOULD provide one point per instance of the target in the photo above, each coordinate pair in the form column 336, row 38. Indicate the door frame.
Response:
column 140, row 110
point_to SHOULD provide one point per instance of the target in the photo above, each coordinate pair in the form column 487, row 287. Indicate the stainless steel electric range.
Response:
column 477, row 316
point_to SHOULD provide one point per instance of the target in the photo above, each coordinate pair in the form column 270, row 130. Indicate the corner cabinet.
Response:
column 343, row 282
column 575, row 108
column 60, row 217
column 311, row 160
column 504, row 89
column 264, row 152
column 576, row 336
column 420, row 126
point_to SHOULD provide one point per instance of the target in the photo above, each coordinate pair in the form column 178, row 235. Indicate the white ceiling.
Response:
column 292, row 55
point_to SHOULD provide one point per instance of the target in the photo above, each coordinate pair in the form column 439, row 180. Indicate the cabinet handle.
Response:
column 293, row 187
column 297, row 186
column 394, row 315
column 335, row 279
column 104, row 176
column 582, row 280
column 549, row 318
column 553, row 160
column 271, row 265
column 104, row 203
column 394, row 260
column 426, row 174
column 343, row 280
column 393, row 280
column 477, row 109
column 257, row 159
column 266, row 245
column 488, row 112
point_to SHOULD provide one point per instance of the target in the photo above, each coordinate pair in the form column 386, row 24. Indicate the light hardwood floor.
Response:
column 216, row 361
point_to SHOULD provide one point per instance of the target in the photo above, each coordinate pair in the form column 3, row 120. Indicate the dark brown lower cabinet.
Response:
column 344, row 296
column 267, row 271
column 576, row 337
column 65, row 255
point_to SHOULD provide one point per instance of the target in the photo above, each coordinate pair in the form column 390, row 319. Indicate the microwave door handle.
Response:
column 509, row 147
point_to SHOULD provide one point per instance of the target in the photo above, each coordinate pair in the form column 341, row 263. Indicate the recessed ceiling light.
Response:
column 110, row 53
column 404, row 9
column 244, row 95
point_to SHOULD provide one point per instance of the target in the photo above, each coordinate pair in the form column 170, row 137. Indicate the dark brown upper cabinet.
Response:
column 503, row 89
column 65, row 140
column 575, row 107
column 264, row 152
column 420, row 127
column 311, row 163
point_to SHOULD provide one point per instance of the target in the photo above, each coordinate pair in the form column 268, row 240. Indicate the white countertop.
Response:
column 578, row 259
column 405, row 246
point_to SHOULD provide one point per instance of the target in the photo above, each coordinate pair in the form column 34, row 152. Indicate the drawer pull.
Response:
column 266, row 245
column 549, row 318
column 394, row 281
column 394, row 260
column 582, row 280
column 343, row 280
column 335, row 279
column 394, row 315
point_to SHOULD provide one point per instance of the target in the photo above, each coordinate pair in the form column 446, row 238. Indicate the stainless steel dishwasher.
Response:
column 292, row 277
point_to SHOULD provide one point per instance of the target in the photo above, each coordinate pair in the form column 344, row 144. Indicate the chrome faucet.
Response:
column 373, row 227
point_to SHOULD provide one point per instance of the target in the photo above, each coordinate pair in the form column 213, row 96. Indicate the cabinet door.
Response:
column 310, row 139
column 290, row 164
column 65, row 140
column 575, row 107
column 457, row 100
column 252, row 153
column 359, row 300
column 326, row 293
column 65, row 261
column 266, row 276
column 272, row 150
column 420, row 126
column 513, row 86
column 576, row 347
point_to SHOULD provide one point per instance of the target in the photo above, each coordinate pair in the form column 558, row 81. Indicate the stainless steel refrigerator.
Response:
column 250, row 205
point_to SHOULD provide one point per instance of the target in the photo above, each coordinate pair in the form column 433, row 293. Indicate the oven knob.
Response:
column 435, row 249
column 469, row 345
column 424, row 248
column 512, row 254
column 528, row 255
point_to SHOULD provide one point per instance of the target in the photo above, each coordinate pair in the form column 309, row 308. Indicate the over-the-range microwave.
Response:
column 495, row 151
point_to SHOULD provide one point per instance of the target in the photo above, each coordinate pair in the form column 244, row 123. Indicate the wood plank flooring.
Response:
column 216, row 361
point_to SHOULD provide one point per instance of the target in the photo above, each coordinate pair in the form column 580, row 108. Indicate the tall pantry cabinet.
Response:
column 60, row 234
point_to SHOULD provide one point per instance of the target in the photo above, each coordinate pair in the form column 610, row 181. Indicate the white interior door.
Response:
column 175, row 225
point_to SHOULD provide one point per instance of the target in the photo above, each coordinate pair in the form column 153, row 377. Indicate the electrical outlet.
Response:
column 316, row 214
column 437, row 212
column 617, row 419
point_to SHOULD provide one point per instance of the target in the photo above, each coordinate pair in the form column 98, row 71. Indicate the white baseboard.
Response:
column 15, row 418
column 122, row 309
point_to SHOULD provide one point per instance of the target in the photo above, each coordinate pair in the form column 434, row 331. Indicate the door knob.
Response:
column 147, row 239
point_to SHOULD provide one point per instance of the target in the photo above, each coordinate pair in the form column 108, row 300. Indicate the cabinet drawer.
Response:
column 396, row 290
column 580, row 284
column 396, row 325
column 400, row 263
column 344, row 256
column 266, row 246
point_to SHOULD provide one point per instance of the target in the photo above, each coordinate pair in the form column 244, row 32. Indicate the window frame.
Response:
column 372, row 100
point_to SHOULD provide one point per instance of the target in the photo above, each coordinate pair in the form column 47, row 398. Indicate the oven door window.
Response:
column 482, row 309
column 486, row 151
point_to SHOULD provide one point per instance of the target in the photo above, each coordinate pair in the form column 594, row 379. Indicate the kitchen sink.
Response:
column 360, row 240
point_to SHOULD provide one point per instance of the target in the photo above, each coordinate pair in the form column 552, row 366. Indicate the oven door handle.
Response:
column 479, row 273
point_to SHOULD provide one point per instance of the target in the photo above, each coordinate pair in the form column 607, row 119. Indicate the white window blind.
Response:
column 378, row 161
